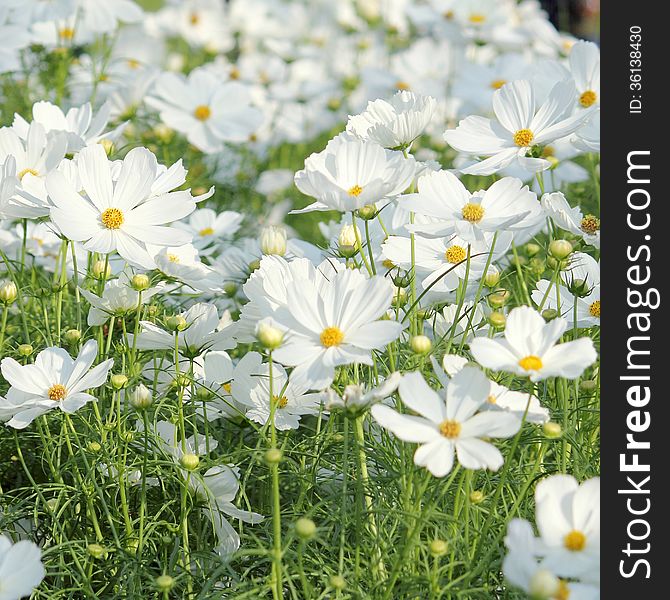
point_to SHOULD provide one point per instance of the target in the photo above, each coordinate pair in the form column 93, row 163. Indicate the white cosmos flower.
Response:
column 585, row 68
column 21, row 568
column 356, row 400
column 568, row 519
column 395, row 123
column 102, row 16
column 506, row 205
column 183, row 264
column 208, row 228
column 333, row 322
column 80, row 126
column 520, row 125
column 206, row 110
column 351, row 173
column 523, row 569
column 204, row 331
column 449, row 422
column 36, row 156
column 123, row 213
column 118, row 298
column 251, row 387
column 572, row 219
column 529, row 348
column 55, row 380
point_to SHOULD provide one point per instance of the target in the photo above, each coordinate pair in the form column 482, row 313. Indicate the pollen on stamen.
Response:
column 523, row 137
column 332, row 336
column 588, row 98
column 173, row 258
column 450, row 429
column 455, row 254
column 281, row 401
column 205, row 232
column 531, row 363
column 66, row 33
column 492, row 399
column 472, row 212
column 477, row 18
column 202, row 112
column 590, row 224
column 57, row 392
column 594, row 309
column 497, row 84
column 112, row 218
column 355, row 191
column 25, row 172
column 574, row 541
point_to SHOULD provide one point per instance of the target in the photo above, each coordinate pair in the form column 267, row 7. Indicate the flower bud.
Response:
column 549, row 314
column 176, row 323
column 119, row 381
column 190, row 462
column 273, row 240
column 532, row 249
column 337, row 582
column 273, row 456
column 96, row 551
column 560, row 249
column 164, row 583
column 268, row 335
column 420, row 344
column 588, row 385
column 492, row 277
column 552, row 430
column 72, row 336
column 108, row 146
column 367, row 212
column 476, row 496
column 101, row 269
column 579, row 288
column 537, row 265
column 499, row 298
column 253, row 265
column 347, row 241
column 543, row 585
column 305, row 528
column 497, row 319
column 230, row 289
column 399, row 296
column 94, row 447
column 438, row 547
column 140, row 282
column 25, row 350
column 8, row 292
column 140, row 398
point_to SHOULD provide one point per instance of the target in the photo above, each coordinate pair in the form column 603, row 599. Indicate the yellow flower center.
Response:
column 206, row 231
column 194, row 18
column 281, row 402
column 133, row 63
column 455, row 254
column 477, row 18
column 574, row 541
column 590, row 224
column 523, row 137
column 531, row 363
column 234, row 73
column 355, row 190
column 173, row 258
column 227, row 387
column 66, row 33
column 498, row 83
column 25, row 172
column 472, row 212
column 402, row 85
column 594, row 309
column 388, row 264
column 588, row 98
column 492, row 399
column 450, row 429
column 332, row 336
column 112, row 218
column 548, row 151
column 57, row 392
column 563, row 592
column 202, row 112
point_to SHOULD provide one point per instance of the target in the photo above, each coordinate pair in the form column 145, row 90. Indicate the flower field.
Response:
column 298, row 301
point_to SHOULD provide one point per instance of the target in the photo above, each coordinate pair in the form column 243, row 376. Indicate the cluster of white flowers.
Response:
column 417, row 262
